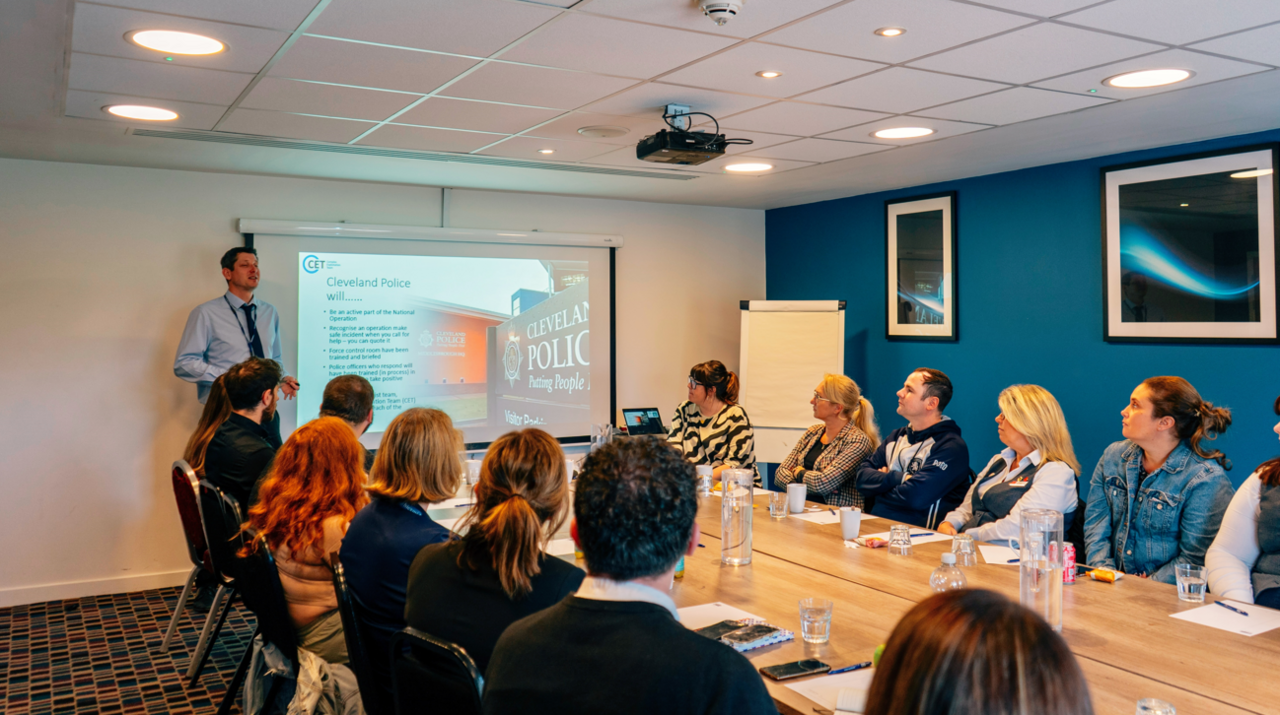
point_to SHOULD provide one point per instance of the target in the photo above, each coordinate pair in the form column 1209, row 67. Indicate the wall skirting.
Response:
column 95, row 587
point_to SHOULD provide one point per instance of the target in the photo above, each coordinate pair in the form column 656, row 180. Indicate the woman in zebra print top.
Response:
column 710, row 427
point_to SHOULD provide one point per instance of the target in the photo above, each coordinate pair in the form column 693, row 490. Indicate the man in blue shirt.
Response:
column 230, row 329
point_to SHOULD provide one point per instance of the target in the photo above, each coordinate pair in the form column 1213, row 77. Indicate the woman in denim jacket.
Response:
column 1157, row 498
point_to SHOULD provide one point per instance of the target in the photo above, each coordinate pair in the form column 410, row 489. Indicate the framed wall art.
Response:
column 1189, row 249
column 920, row 242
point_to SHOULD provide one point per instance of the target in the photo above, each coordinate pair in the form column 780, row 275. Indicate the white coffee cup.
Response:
column 850, row 522
column 703, row 470
column 795, row 497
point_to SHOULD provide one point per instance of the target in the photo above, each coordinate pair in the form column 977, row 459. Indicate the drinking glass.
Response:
column 1191, row 582
column 778, row 505
column 815, row 619
column 704, row 472
column 1040, row 564
column 1151, row 706
column 473, row 472
column 900, row 541
column 962, row 546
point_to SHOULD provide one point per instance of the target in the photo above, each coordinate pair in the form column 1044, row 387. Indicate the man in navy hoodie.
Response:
column 921, row 471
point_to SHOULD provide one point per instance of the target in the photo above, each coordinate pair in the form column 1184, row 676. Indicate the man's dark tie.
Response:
column 1140, row 313
column 255, row 342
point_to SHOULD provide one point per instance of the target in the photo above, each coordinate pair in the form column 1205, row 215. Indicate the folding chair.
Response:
column 221, row 517
column 360, row 658
column 430, row 675
column 186, row 488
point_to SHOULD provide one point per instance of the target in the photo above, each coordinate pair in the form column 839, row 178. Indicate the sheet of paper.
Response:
column 825, row 689
column 1259, row 620
column 755, row 491
column 453, row 503
column 1001, row 555
column 560, row 547
column 695, row 617
column 925, row 536
column 819, row 517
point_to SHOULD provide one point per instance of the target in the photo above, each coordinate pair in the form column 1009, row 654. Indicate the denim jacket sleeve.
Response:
column 1097, row 519
column 1204, row 502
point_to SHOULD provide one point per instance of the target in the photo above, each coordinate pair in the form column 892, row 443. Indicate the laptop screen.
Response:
column 645, row 420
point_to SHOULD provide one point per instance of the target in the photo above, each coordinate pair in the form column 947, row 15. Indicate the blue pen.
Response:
column 1231, row 608
column 927, row 533
column 833, row 511
column 1013, row 561
column 858, row 666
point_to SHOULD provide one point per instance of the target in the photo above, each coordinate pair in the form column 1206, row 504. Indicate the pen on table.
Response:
column 833, row 511
column 924, row 533
column 1230, row 608
column 1013, row 561
column 858, row 666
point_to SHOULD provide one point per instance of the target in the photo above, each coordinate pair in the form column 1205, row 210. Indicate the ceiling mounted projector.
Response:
column 721, row 11
column 679, row 145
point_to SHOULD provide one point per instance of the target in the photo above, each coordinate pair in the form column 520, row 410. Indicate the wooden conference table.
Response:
column 1126, row 643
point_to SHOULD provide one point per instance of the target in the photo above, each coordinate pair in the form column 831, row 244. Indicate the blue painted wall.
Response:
column 1030, row 300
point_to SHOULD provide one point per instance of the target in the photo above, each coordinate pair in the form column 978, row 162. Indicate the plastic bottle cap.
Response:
column 949, row 558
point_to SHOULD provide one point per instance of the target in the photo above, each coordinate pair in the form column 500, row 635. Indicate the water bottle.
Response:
column 735, row 517
column 1040, row 561
column 947, row 577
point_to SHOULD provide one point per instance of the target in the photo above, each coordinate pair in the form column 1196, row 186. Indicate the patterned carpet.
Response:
column 100, row 655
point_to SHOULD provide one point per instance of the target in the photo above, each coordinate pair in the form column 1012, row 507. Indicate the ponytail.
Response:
column 712, row 374
column 1194, row 419
column 865, row 420
column 514, row 533
column 1213, row 422
column 731, row 389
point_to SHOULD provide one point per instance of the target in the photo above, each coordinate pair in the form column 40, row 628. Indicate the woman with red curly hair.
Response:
column 309, row 496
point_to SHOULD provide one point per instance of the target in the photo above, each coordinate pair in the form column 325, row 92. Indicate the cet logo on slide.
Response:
column 312, row 264
column 511, row 359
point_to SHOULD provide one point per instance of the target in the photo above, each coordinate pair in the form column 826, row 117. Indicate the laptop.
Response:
column 643, row 420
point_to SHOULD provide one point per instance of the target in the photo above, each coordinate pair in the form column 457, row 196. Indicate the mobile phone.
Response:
column 715, row 630
column 749, row 634
column 798, row 669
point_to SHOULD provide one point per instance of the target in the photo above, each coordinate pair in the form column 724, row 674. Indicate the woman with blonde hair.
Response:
column 826, row 458
column 313, row 489
column 1037, row 469
column 216, row 410
column 416, row 465
column 468, row 591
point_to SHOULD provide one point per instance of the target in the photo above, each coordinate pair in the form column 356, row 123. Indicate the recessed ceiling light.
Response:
column 891, row 31
column 903, row 133
column 546, row 151
column 603, row 131
column 135, row 111
column 1251, row 174
column 1184, row 204
column 178, row 43
column 748, row 166
column 769, row 74
column 1147, row 78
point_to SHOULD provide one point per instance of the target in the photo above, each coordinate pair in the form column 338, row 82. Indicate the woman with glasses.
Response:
column 710, row 427
column 826, row 458
column 1037, row 470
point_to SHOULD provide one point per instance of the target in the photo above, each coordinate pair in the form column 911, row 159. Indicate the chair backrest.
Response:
column 433, row 675
column 258, row 582
column 360, row 658
column 222, row 520
column 1075, row 532
column 186, row 490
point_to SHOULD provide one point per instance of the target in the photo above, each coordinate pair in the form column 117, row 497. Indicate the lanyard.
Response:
column 248, row 343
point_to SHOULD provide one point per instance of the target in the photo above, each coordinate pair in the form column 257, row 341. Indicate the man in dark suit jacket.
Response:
column 242, row 449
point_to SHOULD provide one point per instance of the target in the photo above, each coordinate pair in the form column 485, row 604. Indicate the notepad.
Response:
column 1002, row 555
column 819, row 517
column 1259, row 620
column 834, row 691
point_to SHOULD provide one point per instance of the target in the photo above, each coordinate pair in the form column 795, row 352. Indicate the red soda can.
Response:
column 1069, row 563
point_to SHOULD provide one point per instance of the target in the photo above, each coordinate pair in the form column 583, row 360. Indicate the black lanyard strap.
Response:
column 247, row 341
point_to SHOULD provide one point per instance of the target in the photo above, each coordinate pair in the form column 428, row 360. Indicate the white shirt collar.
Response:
column 1008, row 454
column 234, row 300
column 597, row 588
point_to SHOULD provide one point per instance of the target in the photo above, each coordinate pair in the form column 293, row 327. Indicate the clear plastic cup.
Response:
column 1191, row 582
column 1151, row 706
column 900, row 541
column 778, row 505
column 815, row 619
column 966, row 553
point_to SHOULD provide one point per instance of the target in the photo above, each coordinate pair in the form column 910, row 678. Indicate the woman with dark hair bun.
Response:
column 1244, row 562
column 1157, row 497
column 711, row 427
column 972, row 652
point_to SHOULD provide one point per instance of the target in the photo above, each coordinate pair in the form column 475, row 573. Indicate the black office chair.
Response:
column 220, row 516
column 1075, row 532
column 370, row 668
column 429, row 675
column 186, row 488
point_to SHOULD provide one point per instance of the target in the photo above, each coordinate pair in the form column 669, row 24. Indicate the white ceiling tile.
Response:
column 478, row 116
column 101, row 30
column 1041, row 8
column 537, row 86
column 154, row 79
column 552, row 3
column 293, row 126
column 1260, row 45
column 1014, row 105
column 1177, row 21
column 567, row 127
column 734, row 70
column 530, row 148
column 469, row 27
column 190, row 115
column 322, row 60
column 649, row 100
column 819, row 150
column 757, row 17
column 941, row 130
column 1034, row 53
column 286, row 95
column 798, row 119
column 626, row 156
column 931, row 26
column 759, row 140
column 899, row 90
column 423, row 139
column 277, row 14
column 627, row 49
column 779, row 165
column 1207, row 69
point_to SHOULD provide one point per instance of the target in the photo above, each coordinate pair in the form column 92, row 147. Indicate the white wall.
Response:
column 102, row 265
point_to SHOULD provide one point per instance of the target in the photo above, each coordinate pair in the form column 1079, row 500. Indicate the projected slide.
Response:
column 497, row 343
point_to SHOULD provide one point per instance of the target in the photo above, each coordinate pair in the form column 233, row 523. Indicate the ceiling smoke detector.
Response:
column 721, row 11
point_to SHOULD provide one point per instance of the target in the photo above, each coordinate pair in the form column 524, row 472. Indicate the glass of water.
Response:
column 1191, row 582
column 777, row 505
column 1151, row 706
column 900, row 541
column 962, row 546
column 815, row 619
